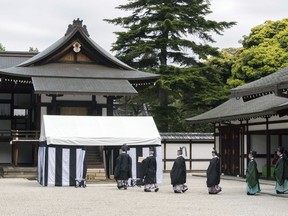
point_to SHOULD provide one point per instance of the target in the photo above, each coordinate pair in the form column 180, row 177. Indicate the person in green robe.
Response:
column 281, row 172
column 252, row 175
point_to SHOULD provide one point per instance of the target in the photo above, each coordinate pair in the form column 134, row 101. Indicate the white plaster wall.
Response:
column 45, row 99
column 245, row 165
column 202, row 166
column 169, row 165
column 260, row 163
column 75, row 98
column 104, row 111
column 43, row 112
column 100, row 99
column 202, row 151
column 278, row 126
column 199, row 151
column 257, row 127
column 171, row 150
column 217, row 143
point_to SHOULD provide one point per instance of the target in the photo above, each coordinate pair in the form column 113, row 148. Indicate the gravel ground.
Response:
column 23, row 197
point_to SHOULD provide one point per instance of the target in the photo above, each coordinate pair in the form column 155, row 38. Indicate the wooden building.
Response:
column 73, row 76
column 254, row 118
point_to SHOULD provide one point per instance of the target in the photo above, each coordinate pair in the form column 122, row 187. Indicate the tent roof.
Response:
column 234, row 109
column 99, row 130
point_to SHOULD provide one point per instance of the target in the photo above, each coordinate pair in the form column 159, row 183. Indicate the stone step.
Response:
column 19, row 172
column 95, row 175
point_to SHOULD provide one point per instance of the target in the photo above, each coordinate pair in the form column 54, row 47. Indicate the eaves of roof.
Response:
column 237, row 109
column 272, row 83
column 78, row 70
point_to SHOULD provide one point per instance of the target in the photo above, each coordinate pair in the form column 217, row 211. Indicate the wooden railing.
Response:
column 20, row 137
column 24, row 135
column 5, row 133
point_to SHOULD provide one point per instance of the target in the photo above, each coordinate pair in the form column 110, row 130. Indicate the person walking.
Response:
column 213, row 174
column 123, row 168
column 281, row 172
column 252, row 175
column 178, row 173
column 149, row 169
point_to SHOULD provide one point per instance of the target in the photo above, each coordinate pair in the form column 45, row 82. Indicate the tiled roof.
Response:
column 82, row 86
column 268, row 84
column 234, row 109
column 77, row 71
column 10, row 59
column 170, row 136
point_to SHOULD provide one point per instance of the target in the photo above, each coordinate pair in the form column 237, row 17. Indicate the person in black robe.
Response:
column 213, row 174
column 149, row 169
column 123, row 168
column 178, row 173
column 252, row 175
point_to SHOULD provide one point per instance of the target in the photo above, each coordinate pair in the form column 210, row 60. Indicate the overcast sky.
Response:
column 36, row 23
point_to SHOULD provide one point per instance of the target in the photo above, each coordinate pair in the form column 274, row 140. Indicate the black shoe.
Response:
column 212, row 193
column 156, row 190
column 278, row 192
column 125, row 187
column 250, row 194
column 119, row 187
column 184, row 190
column 175, row 191
column 147, row 190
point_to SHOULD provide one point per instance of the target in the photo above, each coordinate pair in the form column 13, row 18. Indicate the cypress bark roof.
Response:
column 276, row 83
column 77, row 56
column 237, row 109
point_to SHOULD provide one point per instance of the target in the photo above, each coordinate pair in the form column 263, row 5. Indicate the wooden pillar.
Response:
column 35, row 159
column 16, row 154
column 164, row 142
column 110, row 106
column 190, row 154
column 54, row 105
column 242, row 172
column 268, row 150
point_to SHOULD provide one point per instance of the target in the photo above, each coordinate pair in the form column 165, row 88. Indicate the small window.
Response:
column 20, row 112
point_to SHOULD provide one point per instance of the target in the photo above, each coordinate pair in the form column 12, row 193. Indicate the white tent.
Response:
column 99, row 130
column 61, row 155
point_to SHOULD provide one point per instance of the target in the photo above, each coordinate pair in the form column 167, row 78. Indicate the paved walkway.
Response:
column 21, row 197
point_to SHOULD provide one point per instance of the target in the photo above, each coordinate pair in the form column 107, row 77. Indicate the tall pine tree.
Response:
column 166, row 32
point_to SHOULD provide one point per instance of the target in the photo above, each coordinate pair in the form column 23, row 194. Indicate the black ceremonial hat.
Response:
column 253, row 153
column 280, row 149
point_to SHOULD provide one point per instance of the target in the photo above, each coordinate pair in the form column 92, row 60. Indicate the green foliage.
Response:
column 158, row 32
column 190, row 90
column 171, row 32
column 264, row 52
column 2, row 48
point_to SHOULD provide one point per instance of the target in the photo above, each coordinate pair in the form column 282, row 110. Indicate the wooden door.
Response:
column 230, row 150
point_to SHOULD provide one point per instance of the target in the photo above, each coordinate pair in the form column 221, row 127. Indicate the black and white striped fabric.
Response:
column 61, row 165
column 136, row 152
